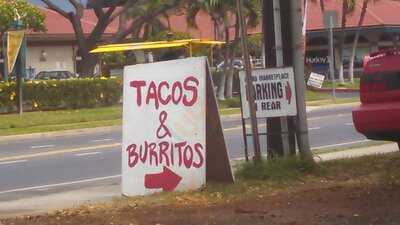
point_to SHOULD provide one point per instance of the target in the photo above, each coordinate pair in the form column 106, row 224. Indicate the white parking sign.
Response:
column 274, row 92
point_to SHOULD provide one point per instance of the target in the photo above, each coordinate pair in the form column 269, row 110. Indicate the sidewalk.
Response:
column 357, row 152
column 68, row 197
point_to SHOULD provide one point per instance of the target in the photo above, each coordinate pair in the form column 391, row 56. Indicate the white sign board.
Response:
column 274, row 92
column 164, row 123
column 316, row 80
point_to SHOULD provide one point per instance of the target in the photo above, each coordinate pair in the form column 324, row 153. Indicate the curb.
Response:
column 338, row 90
column 330, row 106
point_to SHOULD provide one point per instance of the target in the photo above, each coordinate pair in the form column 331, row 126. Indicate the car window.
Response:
column 391, row 80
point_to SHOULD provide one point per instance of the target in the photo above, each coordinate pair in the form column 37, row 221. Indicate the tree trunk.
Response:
column 231, row 73
column 88, row 64
column 341, row 41
column 222, row 83
column 229, row 81
column 356, row 38
column 221, row 86
column 341, row 68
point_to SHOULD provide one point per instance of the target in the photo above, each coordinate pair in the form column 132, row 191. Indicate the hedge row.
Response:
column 62, row 94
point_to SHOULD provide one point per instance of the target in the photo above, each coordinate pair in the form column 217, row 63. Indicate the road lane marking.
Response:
column 314, row 128
column 240, row 127
column 349, row 124
column 58, row 152
column 341, row 144
column 42, row 146
column 60, row 184
column 102, row 140
column 310, row 119
column 329, row 116
column 12, row 162
column 88, row 153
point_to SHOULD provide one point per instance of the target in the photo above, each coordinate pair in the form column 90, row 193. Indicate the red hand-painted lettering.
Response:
column 163, row 130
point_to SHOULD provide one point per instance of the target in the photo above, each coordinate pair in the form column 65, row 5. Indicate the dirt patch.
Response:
column 363, row 191
column 327, row 205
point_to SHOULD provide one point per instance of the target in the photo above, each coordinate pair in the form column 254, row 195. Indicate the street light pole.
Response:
column 249, row 81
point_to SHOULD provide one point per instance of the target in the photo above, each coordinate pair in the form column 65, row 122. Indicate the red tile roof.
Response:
column 383, row 12
column 57, row 24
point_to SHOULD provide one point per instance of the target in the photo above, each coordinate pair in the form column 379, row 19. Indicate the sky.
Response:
column 61, row 3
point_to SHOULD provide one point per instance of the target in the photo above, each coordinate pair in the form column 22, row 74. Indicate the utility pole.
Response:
column 274, row 140
column 278, row 53
column 289, row 43
column 249, row 81
column 298, row 64
column 280, row 63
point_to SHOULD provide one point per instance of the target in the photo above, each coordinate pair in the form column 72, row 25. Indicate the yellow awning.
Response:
column 153, row 45
column 131, row 47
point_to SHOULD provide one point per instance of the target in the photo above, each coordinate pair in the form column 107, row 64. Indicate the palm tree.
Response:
column 222, row 13
column 347, row 7
column 356, row 38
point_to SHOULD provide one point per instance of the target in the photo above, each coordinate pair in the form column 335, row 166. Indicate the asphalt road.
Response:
column 40, row 166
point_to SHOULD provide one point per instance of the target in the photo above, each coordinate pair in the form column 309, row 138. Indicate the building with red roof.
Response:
column 55, row 49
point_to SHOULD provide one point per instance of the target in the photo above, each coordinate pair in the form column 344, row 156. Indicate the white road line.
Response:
column 314, row 128
column 12, row 162
column 341, row 144
column 43, row 189
column 240, row 127
column 60, row 184
column 42, row 146
column 102, row 140
column 349, row 124
column 88, row 153
column 329, row 116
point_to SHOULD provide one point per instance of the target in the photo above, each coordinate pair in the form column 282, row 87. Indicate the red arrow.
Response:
column 288, row 90
column 167, row 180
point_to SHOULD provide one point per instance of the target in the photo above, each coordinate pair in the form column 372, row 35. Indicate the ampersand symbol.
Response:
column 163, row 130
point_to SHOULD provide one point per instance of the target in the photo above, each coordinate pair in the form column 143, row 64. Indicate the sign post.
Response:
column 250, row 94
column 330, row 20
column 166, row 128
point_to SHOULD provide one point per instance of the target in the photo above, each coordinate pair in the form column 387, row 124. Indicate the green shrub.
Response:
column 58, row 94
column 279, row 170
column 230, row 103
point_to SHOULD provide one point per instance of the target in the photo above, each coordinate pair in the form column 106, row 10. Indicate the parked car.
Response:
column 54, row 75
column 378, row 116
column 237, row 64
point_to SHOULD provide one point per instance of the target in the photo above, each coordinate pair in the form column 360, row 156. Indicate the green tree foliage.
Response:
column 30, row 15
column 133, row 15
column 223, row 13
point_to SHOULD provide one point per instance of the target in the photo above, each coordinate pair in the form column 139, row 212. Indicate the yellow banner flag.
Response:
column 14, row 42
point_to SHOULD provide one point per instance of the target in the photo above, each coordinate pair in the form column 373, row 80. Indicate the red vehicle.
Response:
column 378, row 117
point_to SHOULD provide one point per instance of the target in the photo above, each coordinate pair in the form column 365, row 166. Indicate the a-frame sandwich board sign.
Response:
column 172, row 133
